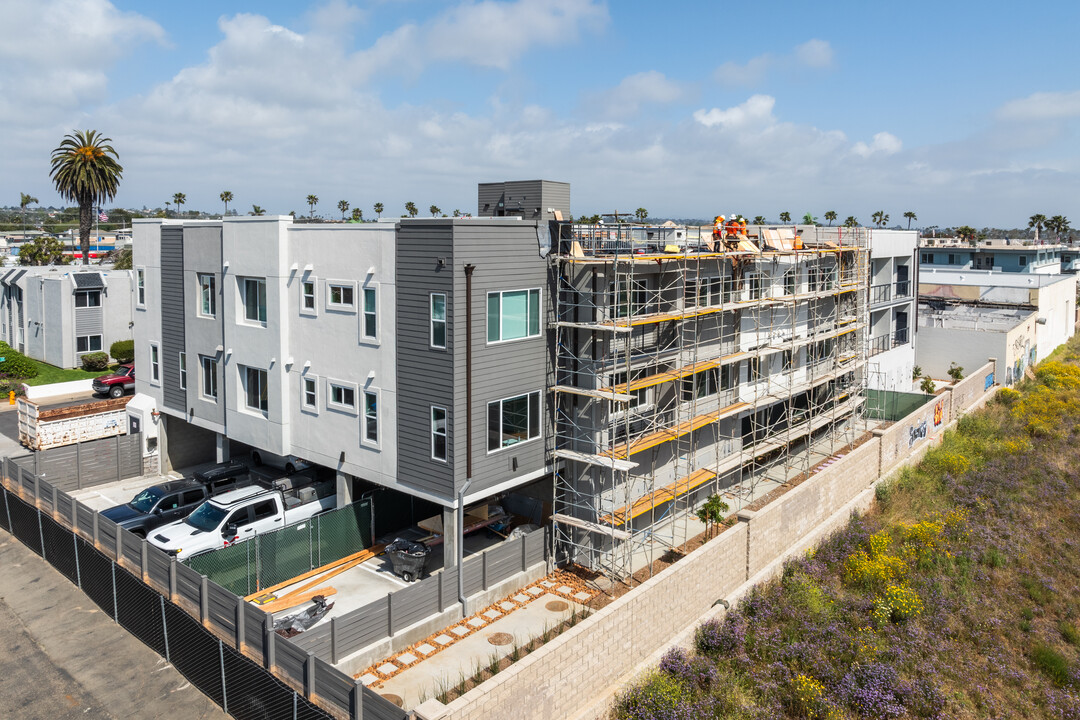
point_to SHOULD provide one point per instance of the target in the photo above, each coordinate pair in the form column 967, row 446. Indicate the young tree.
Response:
column 956, row 372
column 641, row 214
column 343, row 206
column 226, row 197
column 712, row 512
column 785, row 217
column 830, row 215
column 43, row 251
column 357, row 214
column 910, row 215
column 410, row 207
column 178, row 200
column 378, row 210
column 927, row 386
column 312, row 201
column 85, row 170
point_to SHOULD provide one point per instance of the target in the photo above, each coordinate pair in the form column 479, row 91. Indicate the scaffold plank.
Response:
column 625, row 450
column 666, row 494
column 601, row 394
column 599, row 460
column 591, row 526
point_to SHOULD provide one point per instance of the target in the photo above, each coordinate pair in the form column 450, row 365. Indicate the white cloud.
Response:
column 814, row 53
column 1041, row 106
column 756, row 111
column 883, row 143
column 626, row 98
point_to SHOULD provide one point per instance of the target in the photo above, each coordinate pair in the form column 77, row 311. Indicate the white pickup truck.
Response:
column 242, row 514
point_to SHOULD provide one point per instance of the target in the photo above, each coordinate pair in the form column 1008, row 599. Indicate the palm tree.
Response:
column 966, row 232
column 410, row 207
column 226, row 197
column 910, row 215
column 178, row 200
column 759, row 220
column 809, row 219
column 851, row 221
column 785, row 217
column 342, row 205
column 641, row 214
column 378, row 210
column 312, row 201
column 880, row 218
column 357, row 214
column 256, row 210
column 1037, row 221
column 1059, row 225
column 830, row 215
column 25, row 200
column 435, row 211
column 85, row 170
column 457, row 213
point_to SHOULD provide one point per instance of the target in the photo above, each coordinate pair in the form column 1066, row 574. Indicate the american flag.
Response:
column 102, row 217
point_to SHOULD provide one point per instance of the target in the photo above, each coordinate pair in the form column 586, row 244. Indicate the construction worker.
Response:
column 718, row 228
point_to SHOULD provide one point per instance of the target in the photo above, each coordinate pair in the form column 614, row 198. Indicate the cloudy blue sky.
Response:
column 965, row 112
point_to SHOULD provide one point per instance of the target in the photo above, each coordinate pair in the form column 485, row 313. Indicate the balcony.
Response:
column 879, row 345
column 900, row 337
column 903, row 289
column 880, row 293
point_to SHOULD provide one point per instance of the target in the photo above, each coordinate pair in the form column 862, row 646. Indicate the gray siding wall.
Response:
column 425, row 375
column 506, row 257
column 35, row 328
column 203, row 335
column 90, row 321
column 172, row 318
column 533, row 196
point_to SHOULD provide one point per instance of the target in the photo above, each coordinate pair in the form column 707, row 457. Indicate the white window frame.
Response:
column 502, row 334
column 140, row 287
column 86, row 294
column 368, row 395
column 182, row 360
column 312, row 407
column 245, row 377
column 433, row 321
column 208, row 367
column 155, row 364
column 755, row 286
column 202, row 308
column 89, row 349
column 242, row 286
column 367, row 312
column 314, row 282
column 331, row 403
column 445, row 434
column 531, row 433
column 343, row 285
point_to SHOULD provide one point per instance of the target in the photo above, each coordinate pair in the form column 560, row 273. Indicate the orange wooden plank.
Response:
column 659, row 497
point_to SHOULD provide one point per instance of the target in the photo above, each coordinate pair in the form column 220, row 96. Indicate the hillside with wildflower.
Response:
column 958, row 596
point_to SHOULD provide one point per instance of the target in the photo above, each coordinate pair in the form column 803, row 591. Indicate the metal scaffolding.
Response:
column 686, row 367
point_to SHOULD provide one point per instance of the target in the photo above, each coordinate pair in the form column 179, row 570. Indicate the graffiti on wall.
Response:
column 989, row 382
column 939, row 413
column 916, row 433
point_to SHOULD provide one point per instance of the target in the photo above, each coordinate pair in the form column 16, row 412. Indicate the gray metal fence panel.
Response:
column 85, row 518
column 504, row 561
column 316, row 640
column 376, row 707
column 473, row 569
column 188, row 583
column 332, row 684
column 157, row 566
column 362, row 626
column 290, row 659
column 45, row 492
column 3, row 509
column 536, row 547
column 107, row 531
column 222, row 607
column 414, row 603
column 26, row 480
column 254, row 628
column 131, row 547
column 63, row 506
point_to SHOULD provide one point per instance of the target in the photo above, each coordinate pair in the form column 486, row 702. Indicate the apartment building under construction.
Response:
column 684, row 370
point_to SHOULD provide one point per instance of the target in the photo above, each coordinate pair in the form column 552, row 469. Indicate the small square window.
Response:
column 307, row 296
column 341, row 296
column 311, row 395
column 343, row 395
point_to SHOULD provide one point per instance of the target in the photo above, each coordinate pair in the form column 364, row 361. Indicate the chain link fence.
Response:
column 277, row 556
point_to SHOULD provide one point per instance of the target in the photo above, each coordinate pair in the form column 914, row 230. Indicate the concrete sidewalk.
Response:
column 66, row 659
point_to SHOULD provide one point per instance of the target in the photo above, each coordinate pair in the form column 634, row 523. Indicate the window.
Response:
column 140, row 285
column 753, row 369
column 927, row 259
column 438, row 433
column 87, row 343
column 729, row 288
column 255, row 395
column 756, row 286
column 343, row 395
column 628, row 298
column 514, row 420
column 513, row 315
column 700, row 385
column 1023, row 260
column 311, row 397
column 952, row 259
column 209, row 378
column 88, row 298
column 785, row 359
column 207, row 295
column 370, row 313
column 155, row 370
column 183, row 371
column 263, row 510
column 253, row 297
column 371, row 416
column 341, row 296
column 438, row 320
column 789, row 282
column 639, row 396
column 307, row 295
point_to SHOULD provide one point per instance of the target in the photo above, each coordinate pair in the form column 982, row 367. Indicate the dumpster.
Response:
column 408, row 558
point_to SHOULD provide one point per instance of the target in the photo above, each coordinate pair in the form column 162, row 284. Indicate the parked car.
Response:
column 288, row 463
column 117, row 383
column 229, row 475
column 159, row 505
column 242, row 514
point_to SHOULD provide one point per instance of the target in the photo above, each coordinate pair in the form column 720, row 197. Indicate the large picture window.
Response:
column 87, row 343
column 628, row 298
column 253, row 295
column 513, row 314
column 513, row 420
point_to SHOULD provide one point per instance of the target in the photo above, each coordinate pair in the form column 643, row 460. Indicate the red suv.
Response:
column 117, row 383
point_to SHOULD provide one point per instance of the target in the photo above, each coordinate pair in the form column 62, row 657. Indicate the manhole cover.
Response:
column 501, row 639
column 557, row 606
column 396, row 699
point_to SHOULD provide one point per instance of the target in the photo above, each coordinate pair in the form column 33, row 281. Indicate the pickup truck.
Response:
column 172, row 501
column 242, row 514
column 117, row 383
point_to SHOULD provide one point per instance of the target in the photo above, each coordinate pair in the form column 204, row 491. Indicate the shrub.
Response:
column 721, row 637
column 123, row 351
column 95, row 361
column 956, row 372
column 17, row 365
column 927, row 386
column 898, row 604
column 808, row 697
column 1069, row 632
column 9, row 384
column 916, row 373
column 1007, row 396
column 660, row 696
column 1052, row 663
